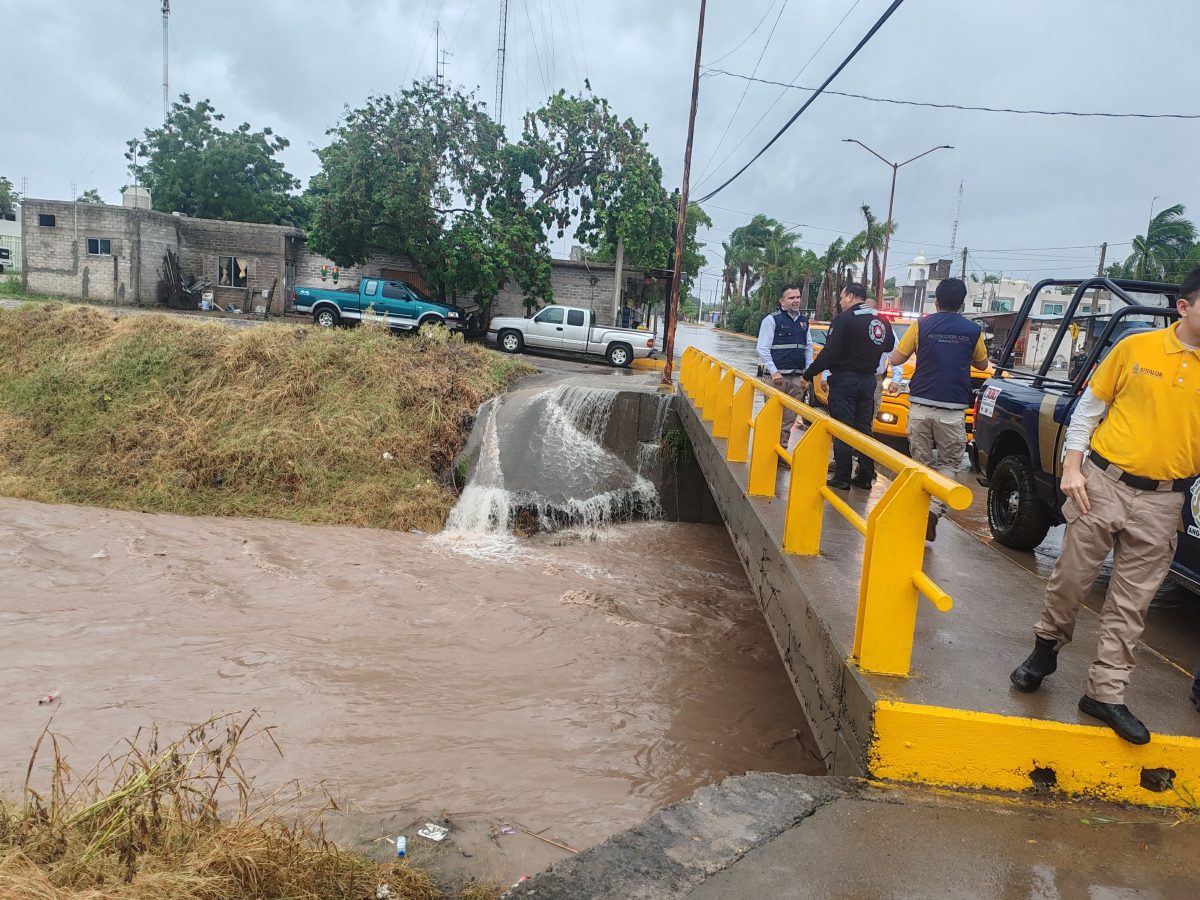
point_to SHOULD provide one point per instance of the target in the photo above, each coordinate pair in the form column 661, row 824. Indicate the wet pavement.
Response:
column 1173, row 624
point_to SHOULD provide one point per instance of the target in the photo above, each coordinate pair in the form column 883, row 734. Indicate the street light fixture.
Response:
column 887, row 235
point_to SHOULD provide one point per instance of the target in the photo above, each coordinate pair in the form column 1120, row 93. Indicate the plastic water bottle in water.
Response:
column 401, row 846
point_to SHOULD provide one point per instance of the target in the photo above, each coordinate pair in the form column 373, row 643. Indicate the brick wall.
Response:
column 259, row 249
column 589, row 285
column 56, row 257
column 57, row 262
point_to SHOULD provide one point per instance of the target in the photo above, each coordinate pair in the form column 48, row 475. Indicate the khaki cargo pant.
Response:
column 791, row 387
column 946, row 428
column 1140, row 527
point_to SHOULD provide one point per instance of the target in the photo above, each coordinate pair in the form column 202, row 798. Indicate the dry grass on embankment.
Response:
column 160, row 414
column 175, row 821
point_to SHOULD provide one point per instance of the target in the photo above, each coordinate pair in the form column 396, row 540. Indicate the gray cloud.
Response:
column 90, row 78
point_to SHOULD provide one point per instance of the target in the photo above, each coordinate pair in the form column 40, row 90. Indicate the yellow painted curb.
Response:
column 957, row 748
column 653, row 365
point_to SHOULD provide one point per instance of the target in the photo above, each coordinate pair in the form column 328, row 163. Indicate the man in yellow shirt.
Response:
column 1128, row 493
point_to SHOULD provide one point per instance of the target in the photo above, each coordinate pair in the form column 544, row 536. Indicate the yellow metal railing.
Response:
column 891, row 578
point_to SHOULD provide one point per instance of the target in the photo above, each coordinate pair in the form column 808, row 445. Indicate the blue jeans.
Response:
column 852, row 400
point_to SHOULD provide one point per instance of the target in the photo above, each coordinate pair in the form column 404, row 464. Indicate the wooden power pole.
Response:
column 681, row 229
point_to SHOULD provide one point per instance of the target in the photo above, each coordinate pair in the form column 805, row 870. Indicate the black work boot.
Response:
column 1117, row 717
column 931, row 527
column 1042, row 661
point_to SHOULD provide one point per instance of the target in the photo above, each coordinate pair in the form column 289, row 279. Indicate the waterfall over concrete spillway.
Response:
column 544, row 463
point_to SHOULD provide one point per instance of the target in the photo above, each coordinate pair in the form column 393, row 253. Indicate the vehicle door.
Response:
column 370, row 303
column 546, row 328
column 575, row 331
column 399, row 305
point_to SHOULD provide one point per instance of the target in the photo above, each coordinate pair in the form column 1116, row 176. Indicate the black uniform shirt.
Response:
column 857, row 339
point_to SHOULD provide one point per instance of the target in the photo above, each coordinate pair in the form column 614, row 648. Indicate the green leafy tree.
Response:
column 8, row 197
column 192, row 166
column 428, row 174
column 91, row 195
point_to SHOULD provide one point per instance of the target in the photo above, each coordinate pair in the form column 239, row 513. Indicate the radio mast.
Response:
column 500, row 52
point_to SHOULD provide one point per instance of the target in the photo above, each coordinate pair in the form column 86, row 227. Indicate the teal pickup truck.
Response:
column 394, row 303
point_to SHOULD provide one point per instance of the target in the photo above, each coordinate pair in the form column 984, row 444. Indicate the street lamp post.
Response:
column 887, row 234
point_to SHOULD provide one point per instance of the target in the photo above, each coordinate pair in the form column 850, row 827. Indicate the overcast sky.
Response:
column 82, row 77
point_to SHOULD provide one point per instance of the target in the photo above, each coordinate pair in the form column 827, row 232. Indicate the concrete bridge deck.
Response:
column 955, row 721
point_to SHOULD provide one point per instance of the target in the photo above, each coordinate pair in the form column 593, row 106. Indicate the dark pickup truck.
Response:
column 1021, row 414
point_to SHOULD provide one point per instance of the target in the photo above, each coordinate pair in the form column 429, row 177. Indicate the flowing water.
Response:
column 542, row 453
column 573, row 681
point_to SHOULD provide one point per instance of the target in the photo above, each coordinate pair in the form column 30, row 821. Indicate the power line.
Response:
column 807, row 103
column 533, row 42
column 992, row 109
column 780, row 95
column 742, row 98
column 753, row 30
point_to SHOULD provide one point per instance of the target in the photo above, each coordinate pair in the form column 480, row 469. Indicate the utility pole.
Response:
column 166, row 11
column 618, row 278
column 963, row 276
column 501, row 51
column 1096, row 295
column 681, row 227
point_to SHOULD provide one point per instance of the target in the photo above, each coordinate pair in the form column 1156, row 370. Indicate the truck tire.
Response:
column 511, row 341
column 327, row 317
column 619, row 355
column 1017, row 516
column 430, row 320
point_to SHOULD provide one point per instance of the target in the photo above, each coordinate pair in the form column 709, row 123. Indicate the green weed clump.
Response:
column 160, row 414
column 178, row 822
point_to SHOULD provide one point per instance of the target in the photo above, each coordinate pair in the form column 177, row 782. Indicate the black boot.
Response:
column 931, row 527
column 1117, row 717
column 1042, row 662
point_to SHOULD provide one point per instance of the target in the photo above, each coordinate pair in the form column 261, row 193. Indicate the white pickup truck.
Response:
column 572, row 330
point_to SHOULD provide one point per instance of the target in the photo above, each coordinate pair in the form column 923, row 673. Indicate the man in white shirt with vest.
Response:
column 785, row 351
column 948, row 345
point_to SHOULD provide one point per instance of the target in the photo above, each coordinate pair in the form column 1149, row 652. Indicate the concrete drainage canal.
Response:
column 635, row 665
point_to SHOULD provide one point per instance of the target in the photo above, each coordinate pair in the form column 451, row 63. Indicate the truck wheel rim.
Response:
column 510, row 342
column 325, row 319
column 619, row 356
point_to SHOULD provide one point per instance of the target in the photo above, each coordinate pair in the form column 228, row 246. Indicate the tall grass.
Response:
column 161, row 414
column 177, row 821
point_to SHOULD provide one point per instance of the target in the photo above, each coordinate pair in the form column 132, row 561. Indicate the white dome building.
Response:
column 918, row 269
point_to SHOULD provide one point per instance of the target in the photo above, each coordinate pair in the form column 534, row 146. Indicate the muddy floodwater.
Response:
column 569, row 683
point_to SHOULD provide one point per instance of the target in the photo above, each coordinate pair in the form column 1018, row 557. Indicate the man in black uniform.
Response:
column 857, row 339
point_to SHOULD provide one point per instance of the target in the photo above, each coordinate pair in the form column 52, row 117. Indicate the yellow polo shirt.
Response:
column 1151, row 382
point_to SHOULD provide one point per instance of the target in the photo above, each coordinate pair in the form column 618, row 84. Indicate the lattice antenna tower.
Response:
column 957, row 213
column 501, row 50
column 166, row 11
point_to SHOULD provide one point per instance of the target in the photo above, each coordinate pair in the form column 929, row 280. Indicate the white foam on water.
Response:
column 586, row 485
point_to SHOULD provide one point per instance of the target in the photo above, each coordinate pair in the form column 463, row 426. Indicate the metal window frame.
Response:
column 99, row 250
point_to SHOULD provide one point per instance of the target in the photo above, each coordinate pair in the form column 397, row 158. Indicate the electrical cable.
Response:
column 753, row 30
column 992, row 109
column 809, row 102
column 753, row 128
column 533, row 42
column 742, row 98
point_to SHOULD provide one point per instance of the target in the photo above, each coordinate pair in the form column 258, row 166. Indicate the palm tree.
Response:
column 728, row 278
column 1189, row 262
column 829, row 265
column 1168, row 240
column 780, row 255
